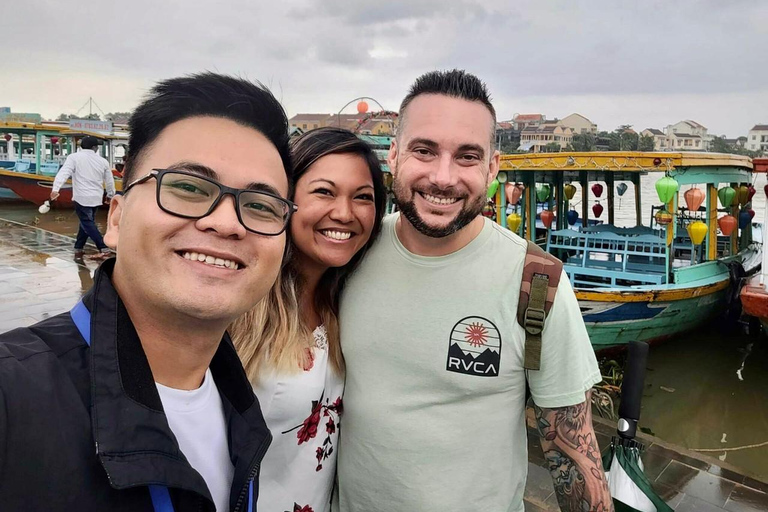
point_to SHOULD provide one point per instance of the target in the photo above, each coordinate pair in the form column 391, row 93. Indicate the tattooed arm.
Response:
column 573, row 457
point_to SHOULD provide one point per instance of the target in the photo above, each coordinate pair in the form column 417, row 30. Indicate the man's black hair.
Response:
column 456, row 83
column 206, row 95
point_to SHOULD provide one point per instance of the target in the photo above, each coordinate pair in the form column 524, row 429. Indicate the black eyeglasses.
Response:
column 191, row 196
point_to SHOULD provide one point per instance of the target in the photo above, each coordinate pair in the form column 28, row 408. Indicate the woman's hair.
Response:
column 272, row 335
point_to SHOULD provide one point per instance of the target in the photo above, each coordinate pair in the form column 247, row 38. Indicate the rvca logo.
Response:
column 474, row 348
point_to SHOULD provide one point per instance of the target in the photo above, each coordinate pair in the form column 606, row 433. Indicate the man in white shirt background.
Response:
column 90, row 173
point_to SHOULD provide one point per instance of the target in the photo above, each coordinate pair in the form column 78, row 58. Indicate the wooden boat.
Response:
column 754, row 295
column 647, row 282
column 30, row 175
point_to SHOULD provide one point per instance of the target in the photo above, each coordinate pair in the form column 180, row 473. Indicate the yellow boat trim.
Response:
column 621, row 161
column 652, row 296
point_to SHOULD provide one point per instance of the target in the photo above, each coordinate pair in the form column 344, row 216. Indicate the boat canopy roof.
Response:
column 56, row 128
column 685, row 167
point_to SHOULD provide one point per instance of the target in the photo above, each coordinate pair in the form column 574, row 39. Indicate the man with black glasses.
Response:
column 136, row 400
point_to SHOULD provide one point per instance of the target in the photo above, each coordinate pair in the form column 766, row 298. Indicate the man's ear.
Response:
column 392, row 157
column 113, row 221
column 493, row 167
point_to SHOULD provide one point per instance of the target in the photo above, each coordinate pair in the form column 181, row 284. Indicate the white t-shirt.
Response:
column 197, row 420
column 90, row 174
column 434, row 401
column 303, row 412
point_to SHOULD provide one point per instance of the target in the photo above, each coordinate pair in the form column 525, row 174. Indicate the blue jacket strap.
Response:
column 82, row 318
column 161, row 498
column 251, row 498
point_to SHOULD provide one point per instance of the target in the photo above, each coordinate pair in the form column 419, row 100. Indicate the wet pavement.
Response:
column 39, row 277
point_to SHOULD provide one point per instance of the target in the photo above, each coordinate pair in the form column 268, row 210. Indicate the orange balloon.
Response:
column 693, row 198
column 362, row 107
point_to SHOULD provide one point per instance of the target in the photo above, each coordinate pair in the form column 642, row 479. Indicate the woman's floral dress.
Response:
column 303, row 412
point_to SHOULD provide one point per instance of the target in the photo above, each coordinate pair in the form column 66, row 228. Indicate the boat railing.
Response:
column 610, row 259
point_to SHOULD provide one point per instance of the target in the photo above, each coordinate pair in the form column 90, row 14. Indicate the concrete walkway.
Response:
column 39, row 277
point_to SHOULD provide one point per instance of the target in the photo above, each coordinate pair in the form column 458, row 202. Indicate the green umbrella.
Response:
column 630, row 488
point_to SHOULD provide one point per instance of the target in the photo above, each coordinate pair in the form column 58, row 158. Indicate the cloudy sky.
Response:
column 648, row 64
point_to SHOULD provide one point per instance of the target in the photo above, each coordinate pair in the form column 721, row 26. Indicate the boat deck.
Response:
column 39, row 278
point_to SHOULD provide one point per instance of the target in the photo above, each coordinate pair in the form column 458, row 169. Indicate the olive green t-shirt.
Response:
column 434, row 405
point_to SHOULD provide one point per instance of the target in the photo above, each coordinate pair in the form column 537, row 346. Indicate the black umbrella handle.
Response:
column 632, row 389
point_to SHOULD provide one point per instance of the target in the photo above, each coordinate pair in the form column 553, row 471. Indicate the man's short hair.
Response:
column 247, row 103
column 456, row 83
column 89, row 142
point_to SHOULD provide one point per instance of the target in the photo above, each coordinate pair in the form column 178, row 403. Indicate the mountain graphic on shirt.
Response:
column 474, row 348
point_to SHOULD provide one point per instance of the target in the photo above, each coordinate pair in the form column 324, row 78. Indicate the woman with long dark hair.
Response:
column 289, row 343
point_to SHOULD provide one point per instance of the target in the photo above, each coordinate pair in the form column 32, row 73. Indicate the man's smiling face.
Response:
column 154, row 247
column 442, row 163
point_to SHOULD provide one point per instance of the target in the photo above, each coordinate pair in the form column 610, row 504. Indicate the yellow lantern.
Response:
column 513, row 222
column 697, row 231
column 570, row 191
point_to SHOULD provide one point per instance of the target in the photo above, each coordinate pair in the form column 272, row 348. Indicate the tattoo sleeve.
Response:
column 573, row 457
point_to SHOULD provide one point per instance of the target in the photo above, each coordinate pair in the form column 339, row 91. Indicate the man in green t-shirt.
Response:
column 435, row 388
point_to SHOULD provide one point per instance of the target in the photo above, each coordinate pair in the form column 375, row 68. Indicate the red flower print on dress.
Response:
column 309, row 359
column 299, row 508
column 322, row 408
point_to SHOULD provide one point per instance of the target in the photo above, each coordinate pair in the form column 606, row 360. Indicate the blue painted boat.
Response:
column 652, row 281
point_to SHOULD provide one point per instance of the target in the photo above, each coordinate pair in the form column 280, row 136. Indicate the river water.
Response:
column 694, row 397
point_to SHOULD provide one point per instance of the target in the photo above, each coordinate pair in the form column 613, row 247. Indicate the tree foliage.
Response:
column 646, row 143
column 720, row 145
column 583, row 142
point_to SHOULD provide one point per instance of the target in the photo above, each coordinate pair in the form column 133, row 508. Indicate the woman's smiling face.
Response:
column 336, row 211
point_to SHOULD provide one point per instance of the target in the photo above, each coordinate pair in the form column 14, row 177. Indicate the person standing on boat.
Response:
column 136, row 399
column 289, row 343
column 435, row 387
column 90, row 173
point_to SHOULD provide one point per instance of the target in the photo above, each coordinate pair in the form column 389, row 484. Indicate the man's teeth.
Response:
column 337, row 235
column 211, row 260
column 440, row 200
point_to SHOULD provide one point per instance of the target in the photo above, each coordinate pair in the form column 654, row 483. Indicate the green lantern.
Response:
column 542, row 192
column 493, row 188
column 666, row 188
column 726, row 195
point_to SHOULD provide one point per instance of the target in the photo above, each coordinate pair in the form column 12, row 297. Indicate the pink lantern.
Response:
column 693, row 198
column 547, row 217
column 597, row 209
column 597, row 189
column 54, row 140
column 513, row 193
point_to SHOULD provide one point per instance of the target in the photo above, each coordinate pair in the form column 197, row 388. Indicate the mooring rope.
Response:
column 734, row 449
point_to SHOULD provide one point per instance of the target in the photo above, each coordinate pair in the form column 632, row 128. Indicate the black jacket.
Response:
column 83, row 429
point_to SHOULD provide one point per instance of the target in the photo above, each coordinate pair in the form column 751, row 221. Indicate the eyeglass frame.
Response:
column 223, row 191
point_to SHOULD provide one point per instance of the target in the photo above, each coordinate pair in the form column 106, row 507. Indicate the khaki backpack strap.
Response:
column 541, row 276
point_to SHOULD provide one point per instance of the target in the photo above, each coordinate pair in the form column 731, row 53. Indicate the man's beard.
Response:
column 467, row 214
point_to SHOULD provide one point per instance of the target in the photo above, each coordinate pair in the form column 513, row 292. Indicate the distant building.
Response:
column 757, row 140
column 660, row 141
column 535, row 138
column 688, row 136
column 353, row 122
column 579, row 124
column 309, row 121
column 506, row 135
column 522, row 121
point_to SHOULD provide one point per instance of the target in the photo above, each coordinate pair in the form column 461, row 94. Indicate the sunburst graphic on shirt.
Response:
column 474, row 347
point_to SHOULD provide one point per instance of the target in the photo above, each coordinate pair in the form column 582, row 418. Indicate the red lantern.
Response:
column 765, row 188
column 597, row 209
column 547, row 217
column 727, row 224
column 657, row 161
column 597, row 189
column 362, row 107
column 54, row 140
column 751, row 213
column 751, row 193
column 8, row 138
